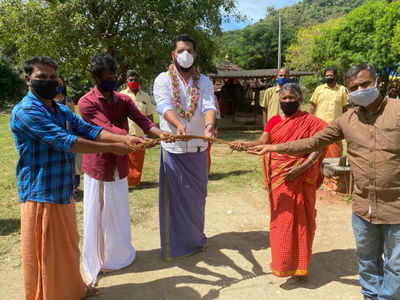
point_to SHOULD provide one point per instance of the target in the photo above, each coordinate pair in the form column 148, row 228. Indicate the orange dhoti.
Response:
column 135, row 163
column 50, row 252
column 292, row 202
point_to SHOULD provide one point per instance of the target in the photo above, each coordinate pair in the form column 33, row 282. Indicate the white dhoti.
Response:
column 107, row 226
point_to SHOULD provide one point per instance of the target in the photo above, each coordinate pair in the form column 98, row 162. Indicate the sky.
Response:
column 255, row 10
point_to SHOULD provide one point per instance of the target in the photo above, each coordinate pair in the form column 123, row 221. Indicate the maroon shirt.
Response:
column 112, row 116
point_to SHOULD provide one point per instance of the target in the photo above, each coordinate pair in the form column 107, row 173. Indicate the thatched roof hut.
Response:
column 257, row 78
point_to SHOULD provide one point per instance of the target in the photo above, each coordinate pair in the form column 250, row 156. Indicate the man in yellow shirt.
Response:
column 269, row 100
column 143, row 103
column 328, row 103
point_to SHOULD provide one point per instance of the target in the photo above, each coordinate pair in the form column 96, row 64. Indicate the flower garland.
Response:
column 194, row 98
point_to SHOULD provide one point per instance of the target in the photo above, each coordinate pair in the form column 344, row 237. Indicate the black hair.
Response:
column 331, row 69
column 292, row 88
column 102, row 62
column 132, row 73
column 354, row 70
column 282, row 69
column 183, row 38
column 39, row 60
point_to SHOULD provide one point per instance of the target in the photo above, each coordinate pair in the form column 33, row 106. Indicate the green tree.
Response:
column 396, row 44
column 137, row 33
column 12, row 87
column 299, row 53
column 257, row 45
column 367, row 34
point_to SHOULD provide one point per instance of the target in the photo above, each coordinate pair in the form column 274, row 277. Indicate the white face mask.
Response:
column 185, row 59
column 364, row 97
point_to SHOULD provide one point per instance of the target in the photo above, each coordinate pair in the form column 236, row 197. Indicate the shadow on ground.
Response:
column 8, row 226
column 329, row 266
column 168, row 288
column 325, row 267
column 218, row 176
column 165, row 289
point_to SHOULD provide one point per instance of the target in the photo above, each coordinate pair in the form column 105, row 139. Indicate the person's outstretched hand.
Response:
column 261, row 149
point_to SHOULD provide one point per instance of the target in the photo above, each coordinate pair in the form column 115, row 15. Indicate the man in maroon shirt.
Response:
column 107, row 235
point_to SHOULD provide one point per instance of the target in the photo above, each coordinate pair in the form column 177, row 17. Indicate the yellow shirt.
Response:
column 329, row 102
column 270, row 100
column 261, row 96
column 143, row 103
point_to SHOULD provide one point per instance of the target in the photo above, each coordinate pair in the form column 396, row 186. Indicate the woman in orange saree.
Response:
column 291, row 182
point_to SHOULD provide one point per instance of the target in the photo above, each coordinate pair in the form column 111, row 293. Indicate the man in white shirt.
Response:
column 185, row 103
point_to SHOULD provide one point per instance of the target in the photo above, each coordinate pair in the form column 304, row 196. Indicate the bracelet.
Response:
column 208, row 124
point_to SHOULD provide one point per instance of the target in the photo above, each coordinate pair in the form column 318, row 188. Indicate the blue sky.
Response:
column 255, row 10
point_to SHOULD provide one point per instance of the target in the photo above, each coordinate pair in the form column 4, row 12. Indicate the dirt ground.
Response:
column 237, row 262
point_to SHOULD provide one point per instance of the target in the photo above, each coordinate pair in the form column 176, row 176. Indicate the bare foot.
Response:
column 294, row 282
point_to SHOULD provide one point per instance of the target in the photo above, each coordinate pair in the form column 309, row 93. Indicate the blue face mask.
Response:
column 61, row 90
column 109, row 85
column 282, row 81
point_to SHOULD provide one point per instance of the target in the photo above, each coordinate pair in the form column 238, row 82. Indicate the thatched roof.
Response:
column 258, row 73
column 227, row 65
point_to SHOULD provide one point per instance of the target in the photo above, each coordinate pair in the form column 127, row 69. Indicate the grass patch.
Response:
column 10, row 213
column 232, row 172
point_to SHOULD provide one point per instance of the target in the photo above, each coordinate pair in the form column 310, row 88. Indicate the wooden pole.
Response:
column 279, row 42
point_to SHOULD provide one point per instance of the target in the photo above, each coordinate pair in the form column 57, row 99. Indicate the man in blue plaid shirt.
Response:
column 46, row 133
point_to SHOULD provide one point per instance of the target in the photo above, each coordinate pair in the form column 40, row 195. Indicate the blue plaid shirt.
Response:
column 46, row 164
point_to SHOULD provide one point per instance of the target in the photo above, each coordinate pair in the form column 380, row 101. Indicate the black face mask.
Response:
column 289, row 108
column 109, row 85
column 330, row 80
column 46, row 89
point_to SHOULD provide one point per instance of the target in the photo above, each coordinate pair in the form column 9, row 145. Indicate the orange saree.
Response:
column 292, row 203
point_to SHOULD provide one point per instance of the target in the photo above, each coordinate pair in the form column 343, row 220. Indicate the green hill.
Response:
column 256, row 46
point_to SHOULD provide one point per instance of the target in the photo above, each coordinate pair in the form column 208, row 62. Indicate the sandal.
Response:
column 91, row 292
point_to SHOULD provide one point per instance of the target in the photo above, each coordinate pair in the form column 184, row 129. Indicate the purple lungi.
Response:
column 182, row 200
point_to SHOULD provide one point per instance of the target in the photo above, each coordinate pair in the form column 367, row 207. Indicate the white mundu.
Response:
column 106, row 217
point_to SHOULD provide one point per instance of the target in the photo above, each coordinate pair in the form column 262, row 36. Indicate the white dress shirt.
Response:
column 164, row 98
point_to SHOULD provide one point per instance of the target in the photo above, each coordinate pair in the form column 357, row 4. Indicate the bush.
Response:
column 309, row 84
column 12, row 86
